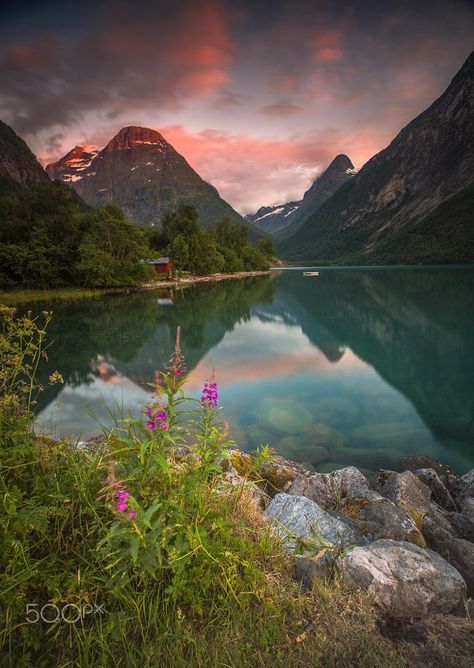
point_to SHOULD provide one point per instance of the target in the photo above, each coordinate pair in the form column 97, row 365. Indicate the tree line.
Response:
column 49, row 238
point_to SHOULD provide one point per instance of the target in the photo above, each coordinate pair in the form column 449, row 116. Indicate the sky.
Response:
column 258, row 96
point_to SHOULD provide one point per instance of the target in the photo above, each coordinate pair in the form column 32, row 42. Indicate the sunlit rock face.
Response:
column 143, row 174
column 72, row 166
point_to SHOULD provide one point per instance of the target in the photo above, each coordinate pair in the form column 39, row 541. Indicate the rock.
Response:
column 254, row 494
column 285, row 416
column 459, row 552
column 278, row 475
column 258, row 436
column 468, row 478
column 439, row 492
column 318, row 487
column 462, row 489
column 415, row 462
column 463, row 527
column 405, row 490
column 328, row 489
column 381, row 518
column 369, row 458
column 298, row 518
column 467, row 509
column 351, row 482
column 323, row 436
column 405, row 580
column 308, row 569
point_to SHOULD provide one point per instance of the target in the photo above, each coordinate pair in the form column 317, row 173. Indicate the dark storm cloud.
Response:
column 132, row 56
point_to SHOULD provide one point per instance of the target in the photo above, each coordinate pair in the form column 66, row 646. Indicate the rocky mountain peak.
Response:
column 133, row 136
column 341, row 163
column 70, row 167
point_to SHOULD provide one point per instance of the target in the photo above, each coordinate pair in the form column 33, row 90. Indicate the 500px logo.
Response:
column 68, row 612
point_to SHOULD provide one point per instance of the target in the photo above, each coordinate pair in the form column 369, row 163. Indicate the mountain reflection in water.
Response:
column 356, row 366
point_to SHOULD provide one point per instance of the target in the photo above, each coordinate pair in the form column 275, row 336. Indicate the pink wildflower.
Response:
column 210, row 395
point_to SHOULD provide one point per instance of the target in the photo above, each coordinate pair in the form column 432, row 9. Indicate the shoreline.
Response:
column 25, row 295
column 189, row 280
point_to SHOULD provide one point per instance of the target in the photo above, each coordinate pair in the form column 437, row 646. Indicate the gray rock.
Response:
column 383, row 519
column 463, row 527
column 297, row 518
column 405, row 580
column 405, row 490
column 328, row 489
column 308, row 569
column 468, row 478
column 466, row 507
column 439, row 492
column 319, row 487
column 459, row 552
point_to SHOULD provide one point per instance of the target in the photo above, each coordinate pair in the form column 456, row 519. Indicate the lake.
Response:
column 357, row 366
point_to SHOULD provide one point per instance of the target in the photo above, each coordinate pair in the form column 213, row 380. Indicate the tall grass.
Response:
column 164, row 563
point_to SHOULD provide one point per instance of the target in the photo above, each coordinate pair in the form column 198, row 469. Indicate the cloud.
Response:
column 282, row 109
column 328, row 46
column 251, row 171
column 133, row 58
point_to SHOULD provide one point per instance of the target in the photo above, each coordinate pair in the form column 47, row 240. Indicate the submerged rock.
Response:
column 405, row 580
column 285, row 416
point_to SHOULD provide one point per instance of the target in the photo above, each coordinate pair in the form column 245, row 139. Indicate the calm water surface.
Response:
column 357, row 366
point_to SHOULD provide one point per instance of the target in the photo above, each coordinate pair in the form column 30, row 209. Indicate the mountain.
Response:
column 288, row 217
column 411, row 203
column 18, row 166
column 143, row 174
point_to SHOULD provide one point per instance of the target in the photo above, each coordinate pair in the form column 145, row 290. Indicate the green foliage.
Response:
column 266, row 247
column 223, row 247
column 47, row 239
column 22, row 346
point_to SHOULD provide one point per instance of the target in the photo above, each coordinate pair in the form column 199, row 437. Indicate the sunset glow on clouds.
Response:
column 258, row 97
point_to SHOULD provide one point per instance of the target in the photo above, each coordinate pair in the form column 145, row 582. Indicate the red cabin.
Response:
column 163, row 265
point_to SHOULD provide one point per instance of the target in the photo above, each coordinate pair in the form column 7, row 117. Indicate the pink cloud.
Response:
column 328, row 46
column 251, row 171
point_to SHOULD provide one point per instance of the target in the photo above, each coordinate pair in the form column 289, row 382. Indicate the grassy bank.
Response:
column 128, row 553
column 17, row 297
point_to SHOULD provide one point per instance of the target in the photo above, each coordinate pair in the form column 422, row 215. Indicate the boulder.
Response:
column 380, row 518
column 405, row 490
column 328, row 489
column 254, row 494
column 463, row 527
column 297, row 519
column 439, row 492
column 458, row 551
column 405, row 580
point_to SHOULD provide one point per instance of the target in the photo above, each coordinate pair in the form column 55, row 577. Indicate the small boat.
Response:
column 311, row 273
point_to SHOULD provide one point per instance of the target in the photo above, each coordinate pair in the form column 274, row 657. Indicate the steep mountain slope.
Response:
column 18, row 166
column 406, row 204
column 143, row 174
column 284, row 219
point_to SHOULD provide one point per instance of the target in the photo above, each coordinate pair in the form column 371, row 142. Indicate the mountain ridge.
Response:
column 430, row 161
